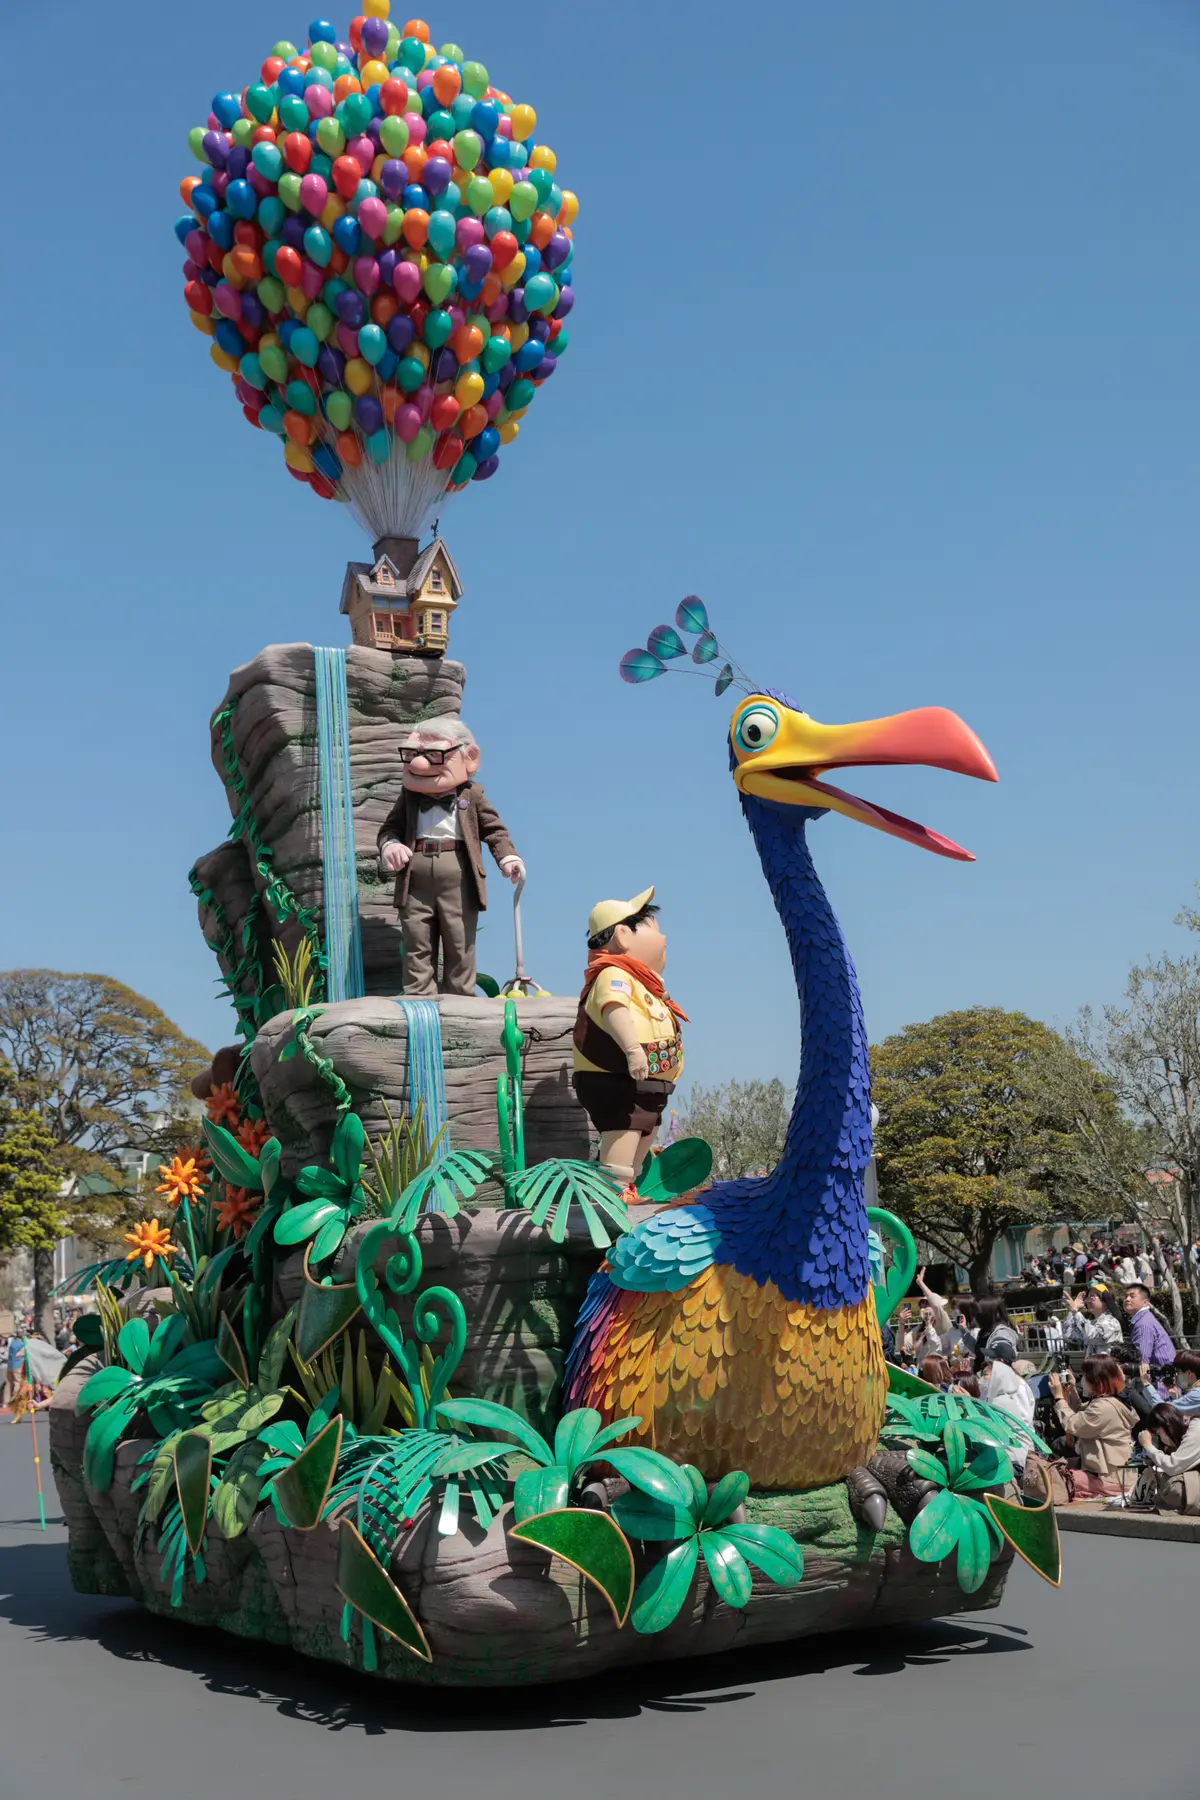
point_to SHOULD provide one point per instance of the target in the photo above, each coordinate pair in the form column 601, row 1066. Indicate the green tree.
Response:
column 745, row 1122
column 106, row 1071
column 30, row 1218
column 991, row 1121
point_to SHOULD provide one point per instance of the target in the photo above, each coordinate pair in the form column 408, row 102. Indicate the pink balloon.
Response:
column 468, row 232
column 425, row 79
column 314, row 192
column 493, row 403
column 423, row 400
column 498, row 309
column 227, row 301
column 347, row 339
column 408, row 423
column 319, row 102
column 218, row 181
column 406, row 279
column 196, row 245
column 259, row 182
column 416, row 126
column 363, row 151
column 312, row 279
column 503, row 125
column 366, row 273
column 372, row 217
column 458, row 317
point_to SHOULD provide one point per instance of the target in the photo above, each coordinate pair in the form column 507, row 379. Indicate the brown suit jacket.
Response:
column 478, row 821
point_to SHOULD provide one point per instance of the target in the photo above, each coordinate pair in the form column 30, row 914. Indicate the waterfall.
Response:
column 339, row 868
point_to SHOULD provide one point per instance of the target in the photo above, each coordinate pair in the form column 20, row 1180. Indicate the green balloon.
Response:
column 410, row 374
column 320, row 320
column 479, row 195
column 330, row 135
column 394, row 226
column 437, row 329
column 196, row 138
column 293, row 114
column 356, row 113
column 300, row 398
column 542, row 180
column 261, row 102
column 285, row 50
column 461, row 108
column 496, row 353
column 464, row 468
column 270, row 292
column 468, row 148
column 421, row 445
column 561, row 341
column 289, row 190
column 251, row 370
column 273, row 358
column 475, row 79
column 393, row 134
column 322, row 165
column 412, row 54
column 438, row 282
column 324, row 56
column 441, row 233
column 243, row 131
column 451, row 52
column 339, row 411
column 520, row 394
column 268, row 160
column 393, row 44
column 523, row 200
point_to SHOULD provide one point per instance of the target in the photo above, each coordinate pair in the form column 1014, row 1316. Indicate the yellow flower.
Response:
column 149, row 1239
column 183, row 1180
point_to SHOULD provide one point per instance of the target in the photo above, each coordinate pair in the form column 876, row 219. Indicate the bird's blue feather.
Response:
column 667, row 1252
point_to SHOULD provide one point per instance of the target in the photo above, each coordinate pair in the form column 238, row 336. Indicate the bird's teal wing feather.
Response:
column 667, row 1252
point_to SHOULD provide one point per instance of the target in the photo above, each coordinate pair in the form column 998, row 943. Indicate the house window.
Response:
column 436, row 582
column 436, row 624
column 383, row 625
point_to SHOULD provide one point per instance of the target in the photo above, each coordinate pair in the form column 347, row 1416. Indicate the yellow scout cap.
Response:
column 607, row 913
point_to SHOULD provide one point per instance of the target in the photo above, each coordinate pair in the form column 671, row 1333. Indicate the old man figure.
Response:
column 432, row 841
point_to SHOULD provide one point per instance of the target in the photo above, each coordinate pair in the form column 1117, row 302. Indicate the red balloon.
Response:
column 289, row 266
column 199, row 298
column 443, row 413
column 446, row 451
column 246, row 232
column 297, row 151
column 271, row 69
column 347, row 173
column 356, row 26
column 321, row 484
column 252, row 416
column 393, row 95
column 504, row 248
column 296, row 474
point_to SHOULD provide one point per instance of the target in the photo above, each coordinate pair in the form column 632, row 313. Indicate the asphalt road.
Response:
column 1088, row 1692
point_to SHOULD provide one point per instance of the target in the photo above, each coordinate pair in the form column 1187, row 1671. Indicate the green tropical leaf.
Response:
column 974, row 1552
column 618, row 1429
column 494, row 1417
column 770, row 1549
column 167, row 1340
column 366, row 1584
column 346, row 1150
column 592, row 1543
column 456, row 1177
column 677, row 1169
column 268, row 1164
column 231, row 1162
column 196, row 1362
column 162, row 1480
column 325, row 1312
column 725, row 1498
column 927, row 1466
column 663, row 1590
column 193, row 1469
column 652, row 1521
column 237, row 1493
column 538, row 1491
column 935, row 1530
column 727, row 1568
column 274, row 1352
column 990, row 1467
column 133, row 1341
column 329, row 1237
column 955, row 1447
column 576, row 1433
column 104, row 1386
column 229, row 1349
column 303, row 1488
column 652, row 1473
column 300, row 1222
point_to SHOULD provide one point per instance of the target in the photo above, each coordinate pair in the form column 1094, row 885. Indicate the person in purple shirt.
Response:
column 1146, row 1334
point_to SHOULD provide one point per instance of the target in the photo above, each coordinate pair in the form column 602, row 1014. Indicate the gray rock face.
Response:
column 275, row 738
column 366, row 1040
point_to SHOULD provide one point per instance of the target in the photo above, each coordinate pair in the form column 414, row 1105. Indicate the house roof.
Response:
column 402, row 587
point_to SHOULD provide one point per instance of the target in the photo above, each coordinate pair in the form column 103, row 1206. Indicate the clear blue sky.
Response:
column 887, row 343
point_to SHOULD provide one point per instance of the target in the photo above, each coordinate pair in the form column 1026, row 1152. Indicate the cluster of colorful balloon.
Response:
column 381, row 260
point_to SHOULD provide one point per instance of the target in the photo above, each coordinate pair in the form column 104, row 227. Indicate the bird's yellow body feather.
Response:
column 727, row 1374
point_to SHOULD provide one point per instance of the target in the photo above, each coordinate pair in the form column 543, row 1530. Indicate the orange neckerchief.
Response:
column 607, row 959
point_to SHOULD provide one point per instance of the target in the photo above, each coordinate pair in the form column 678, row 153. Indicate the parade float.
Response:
column 402, row 1375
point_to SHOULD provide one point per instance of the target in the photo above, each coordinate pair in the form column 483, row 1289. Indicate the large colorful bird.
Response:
column 741, row 1327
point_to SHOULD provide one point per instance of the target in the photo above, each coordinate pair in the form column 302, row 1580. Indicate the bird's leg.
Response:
column 868, row 1498
column 907, row 1491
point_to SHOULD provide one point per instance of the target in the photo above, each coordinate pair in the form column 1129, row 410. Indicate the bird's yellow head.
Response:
column 781, row 755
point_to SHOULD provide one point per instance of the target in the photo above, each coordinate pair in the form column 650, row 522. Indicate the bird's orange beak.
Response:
column 781, row 755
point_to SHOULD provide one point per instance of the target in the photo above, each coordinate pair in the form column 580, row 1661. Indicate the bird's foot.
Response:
column 868, row 1498
column 907, row 1491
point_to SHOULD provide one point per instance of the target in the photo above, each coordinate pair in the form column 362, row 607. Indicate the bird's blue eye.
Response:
column 756, row 728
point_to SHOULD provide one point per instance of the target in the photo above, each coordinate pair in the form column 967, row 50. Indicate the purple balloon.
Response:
column 478, row 262
column 400, row 333
column 518, row 312
column 254, row 313
column 540, row 329
column 216, row 148
column 237, row 162
column 393, row 179
column 445, row 364
column 545, row 368
column 374, row 36
column 556, row 251
column 332, row 365
column 245, row 393
column 350, row 308
column 387, row 264
column 566, row 301
column 508, row 375
column 292, row 233
column 368, row 414
column 435, row 176
column 487, row 467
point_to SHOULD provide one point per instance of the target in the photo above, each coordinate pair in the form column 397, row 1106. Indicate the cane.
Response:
column 520, row 983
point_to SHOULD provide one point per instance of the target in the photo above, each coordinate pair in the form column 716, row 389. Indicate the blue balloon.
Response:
column 204, row 202
column 414, row 195
column 184, row 224
column 305, row 346
column 498, row 152
column 470, row 290
column 322, row 32
column 533, row 261
column 387, row 365
column 271, row 419
column 486, row 444
column 327, row 460
column 241, row 199
column 485, row 116
column 230, row 338
column 228, row 108
column 528, row 356
column 490, row 384
column 286, row 330
column 291, row 81
column 220, row 230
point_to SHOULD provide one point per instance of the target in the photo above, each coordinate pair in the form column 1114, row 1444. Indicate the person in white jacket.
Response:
column 1172, row 1447
column 1008, row 1392
column 1092, row 1322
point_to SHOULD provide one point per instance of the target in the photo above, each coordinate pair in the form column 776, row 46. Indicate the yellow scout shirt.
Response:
column 655, row 1023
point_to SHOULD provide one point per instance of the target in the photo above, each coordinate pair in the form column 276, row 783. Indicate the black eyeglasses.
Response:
column 435, row 758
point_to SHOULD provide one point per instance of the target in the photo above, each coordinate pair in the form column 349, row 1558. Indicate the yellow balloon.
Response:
column 543, row 157
column 296, row 457
column 508, row 431
column 229, row 273
column 520, row 413
column 222, row 358
column 520, row 335
column 298, row 300
column 570, row 207
column 375, row 9
column 420, row 352
column 359, row 375
column 524, row 122
column 268, row 339
column 377, row 168
column 372, row 72
column 202, row 323
column 510, row 276
column 332, row 211
column 502, row 185
column 468, row 389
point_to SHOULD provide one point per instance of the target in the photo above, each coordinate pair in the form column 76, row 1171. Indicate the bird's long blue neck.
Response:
column 805, row 1226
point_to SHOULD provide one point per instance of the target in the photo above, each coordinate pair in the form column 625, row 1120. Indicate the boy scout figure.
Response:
column 628, row 1048
column 432, row 841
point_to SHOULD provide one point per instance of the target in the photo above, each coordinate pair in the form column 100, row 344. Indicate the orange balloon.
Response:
column 300, row 429
column 472, row 422
column 345, row 84
column 384, row 306
column 187, row 188
column 501, row 329
column 467, row 342
column 339, row 262
column 349, row 449
column 447, row 83
column 416, row 230
column 247, row 264
column 414, row 160
column 391, row 399
column 541, row 229
column 490, row 293
column 416, row 28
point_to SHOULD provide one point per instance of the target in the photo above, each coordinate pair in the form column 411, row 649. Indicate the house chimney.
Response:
column 401, row 550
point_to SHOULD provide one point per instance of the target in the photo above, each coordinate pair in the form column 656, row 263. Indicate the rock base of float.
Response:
column 274, row 734
column 367, row 1043
column 496, row 1613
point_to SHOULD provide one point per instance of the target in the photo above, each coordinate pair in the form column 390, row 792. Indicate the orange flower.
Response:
column 237, row 1211
column 252, row 1134
column 149, row 1239
column 224, row 1107
column 184, row 1179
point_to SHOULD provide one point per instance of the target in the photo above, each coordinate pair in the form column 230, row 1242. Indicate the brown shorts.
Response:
column 619, row 1103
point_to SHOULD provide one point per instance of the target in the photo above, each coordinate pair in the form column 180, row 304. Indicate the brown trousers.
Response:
column 440, row 913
